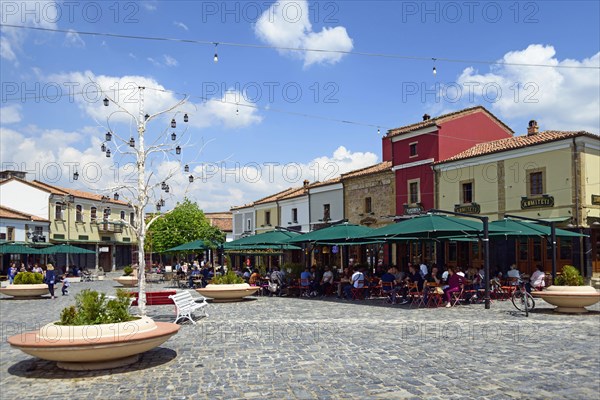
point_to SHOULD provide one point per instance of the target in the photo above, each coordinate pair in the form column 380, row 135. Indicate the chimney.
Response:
column 426, row 117
column 533, row 128
column 306, row 182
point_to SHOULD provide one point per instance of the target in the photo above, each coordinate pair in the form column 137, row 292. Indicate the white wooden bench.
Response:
column 186, row 305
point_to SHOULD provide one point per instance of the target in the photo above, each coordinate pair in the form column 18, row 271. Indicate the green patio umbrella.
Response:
column 523, row 228
column 65, row 249
column 277, row 238
column 431, row 226
column 15, row 248
column 336, row 234
column 190, row 246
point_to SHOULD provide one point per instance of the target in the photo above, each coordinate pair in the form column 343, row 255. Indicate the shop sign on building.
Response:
column 472, row 208
column 537, row 202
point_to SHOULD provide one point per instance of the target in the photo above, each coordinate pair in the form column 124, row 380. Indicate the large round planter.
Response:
column 569, row 299
column 128, row 281
column 229, row 292
column 35, row 290
column 92, row 347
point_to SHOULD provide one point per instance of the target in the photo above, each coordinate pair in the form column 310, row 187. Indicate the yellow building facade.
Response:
column 552, row 176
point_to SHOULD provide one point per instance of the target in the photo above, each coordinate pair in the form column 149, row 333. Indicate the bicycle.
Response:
column 521, row 299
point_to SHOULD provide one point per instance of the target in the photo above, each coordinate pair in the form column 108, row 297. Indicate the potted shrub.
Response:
column 128, row 279
column 96, row 333
column 26, row 284
column 227, row 288
column 569, row 294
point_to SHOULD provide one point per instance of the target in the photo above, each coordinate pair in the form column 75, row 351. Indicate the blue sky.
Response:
column 258, row 143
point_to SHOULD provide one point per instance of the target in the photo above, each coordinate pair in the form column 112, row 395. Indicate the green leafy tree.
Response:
column 185, row 223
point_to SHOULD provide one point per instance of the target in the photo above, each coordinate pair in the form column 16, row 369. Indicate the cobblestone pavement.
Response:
column 290, row 348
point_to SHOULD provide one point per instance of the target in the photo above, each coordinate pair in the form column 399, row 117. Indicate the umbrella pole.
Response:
column 486, row 244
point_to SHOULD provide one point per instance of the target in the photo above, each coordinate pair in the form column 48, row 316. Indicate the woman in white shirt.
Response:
column 537, row 279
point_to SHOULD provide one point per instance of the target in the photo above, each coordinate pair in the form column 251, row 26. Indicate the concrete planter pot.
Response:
column 569, row 299
column 93, row 347
column 35, row 290
column 128, row 281
column 229, row 292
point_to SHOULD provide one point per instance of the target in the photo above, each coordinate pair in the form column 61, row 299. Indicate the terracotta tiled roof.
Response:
column 7, row 212
column 77, row 193
column 222, row 220
column 60, row 191
column 444, row 118
column 516, row 142
column 373, row 169
column 327, row 182
column 241, row 207
column 275, row 197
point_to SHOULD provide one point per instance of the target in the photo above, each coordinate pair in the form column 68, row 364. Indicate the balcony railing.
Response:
column 110, row 227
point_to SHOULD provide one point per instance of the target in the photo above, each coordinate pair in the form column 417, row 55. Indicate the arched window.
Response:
column 58, row 212
column 106, row 213
column 122, row 215
column 93, row 214
column 78, row 213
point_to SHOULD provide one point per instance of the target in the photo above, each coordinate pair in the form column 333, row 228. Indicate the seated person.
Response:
column 326, row 281
column 254, row 278
column 357, row 281
column 454, row 285
column 513, row 272
column 537, row 279
column 389, row 279
column 434, row 276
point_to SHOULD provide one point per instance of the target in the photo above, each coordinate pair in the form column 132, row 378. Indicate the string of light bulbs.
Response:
column 303, row 49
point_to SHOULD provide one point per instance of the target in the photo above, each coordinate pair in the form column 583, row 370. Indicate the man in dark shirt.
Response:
column 388, row 283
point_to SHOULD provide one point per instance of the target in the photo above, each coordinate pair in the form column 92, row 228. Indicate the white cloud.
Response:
column 217, row 111
column 286, row 24
column 219, row 186
column 170, row 61
column 154, row 62
column 181, row 25
column 558, row 98
column 150, row 5
column 72, row 39
column 39, row 14
column 10, row 114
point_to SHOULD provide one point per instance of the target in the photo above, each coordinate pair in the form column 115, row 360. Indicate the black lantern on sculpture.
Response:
column 103, row 148
column 191, row 178
column 167, row 189
column 132, row 142
column 116, row 196
column 177, row 150
column 108, row 153
column 108, row 136
column 186, row 168
column 146, row 116
column 173, row 123
column 75, row 175
column 173, row 136
column 105, row 102
column 162, row 202
column 158, row 206
column 163, row 185
column 185, row 118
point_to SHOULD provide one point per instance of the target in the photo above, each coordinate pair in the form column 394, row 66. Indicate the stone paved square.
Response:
column 291, row 348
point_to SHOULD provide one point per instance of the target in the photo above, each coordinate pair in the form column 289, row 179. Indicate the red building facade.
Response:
column 414, row 148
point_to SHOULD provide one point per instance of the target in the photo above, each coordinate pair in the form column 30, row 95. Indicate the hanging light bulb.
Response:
column 105, row 102
column 103, row 148
column 162, row 202
column 173, row 136
column 146, row 116
column 177, row 150
column 107, row 153
column 173, row 123
column 186, row 168
column 108, row 136
column 434, row 69
column 216, row 57
column 237, row 109
column 132, row 142
column 185, row 118
column 191, row 178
